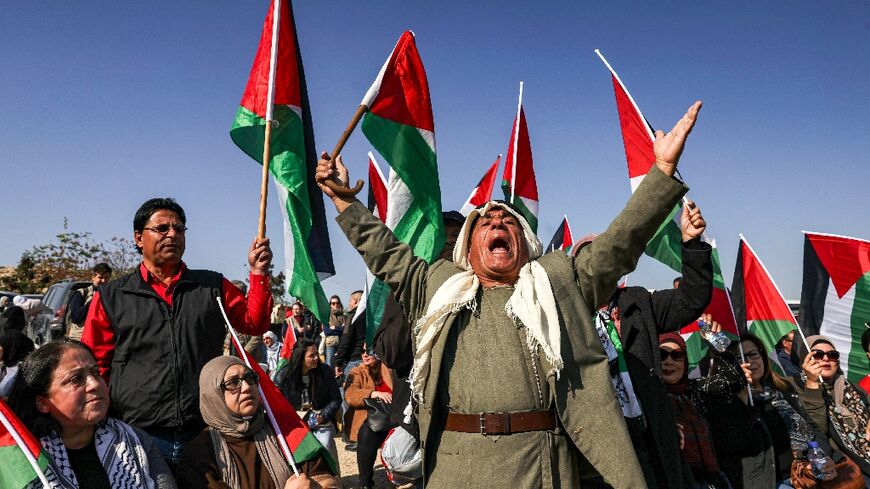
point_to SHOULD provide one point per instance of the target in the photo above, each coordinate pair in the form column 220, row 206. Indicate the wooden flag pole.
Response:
column 264, row 184
column 344, row 191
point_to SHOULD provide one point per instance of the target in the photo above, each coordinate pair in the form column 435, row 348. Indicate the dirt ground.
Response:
column 349, row 472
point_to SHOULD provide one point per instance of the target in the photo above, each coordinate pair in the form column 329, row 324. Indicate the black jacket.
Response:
column 160, row 350
column 323, row 391
column 392, row 344
column 644, row 316
column 351, row 344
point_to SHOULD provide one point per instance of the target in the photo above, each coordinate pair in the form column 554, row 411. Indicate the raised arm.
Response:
column 616, row 251
column 385, row 256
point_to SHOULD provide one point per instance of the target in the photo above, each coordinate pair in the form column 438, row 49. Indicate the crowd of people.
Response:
column 497, row 365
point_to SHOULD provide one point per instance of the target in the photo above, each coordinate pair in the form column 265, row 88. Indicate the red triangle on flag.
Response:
column 636, row 133
column 378, row 189
column 845, row 259
column 762, row 298
column 403, row 96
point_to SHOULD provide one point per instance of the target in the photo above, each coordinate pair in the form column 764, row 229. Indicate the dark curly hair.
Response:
column 34, row 379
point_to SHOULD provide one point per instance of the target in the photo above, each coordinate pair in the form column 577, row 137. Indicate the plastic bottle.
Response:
column 822, row 465
column 312, row 420
column 718, row 340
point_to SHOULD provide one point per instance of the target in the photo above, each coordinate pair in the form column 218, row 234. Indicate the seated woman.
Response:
column 836, row 406
column 61, row 398
column 690, row 400
column 239, row 449
column 371, row 379
column 310, row 386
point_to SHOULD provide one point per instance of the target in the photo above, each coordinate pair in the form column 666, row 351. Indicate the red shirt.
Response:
column 249, row 316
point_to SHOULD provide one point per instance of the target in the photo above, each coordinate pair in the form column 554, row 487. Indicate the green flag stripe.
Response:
column 377, row 297
column 309, row 448
column 288, row 167
column 411, row 157
column 770, row 331
column 858, row 365
column 696, row 348
column 16, row 470
column 519, row 204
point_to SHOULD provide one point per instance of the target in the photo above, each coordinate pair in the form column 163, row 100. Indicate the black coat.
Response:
column 323, row 391
column 645, row 315
column 352, row 340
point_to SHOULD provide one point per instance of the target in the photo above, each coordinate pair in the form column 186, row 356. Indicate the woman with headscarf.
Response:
column 239, row 449
column 690, row 400
column 61, row 398
column 273, row 351
column 310, row 386
column 14, row 346
column 837, row 407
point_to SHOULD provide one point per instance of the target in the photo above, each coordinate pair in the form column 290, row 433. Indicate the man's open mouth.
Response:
column 499, row 246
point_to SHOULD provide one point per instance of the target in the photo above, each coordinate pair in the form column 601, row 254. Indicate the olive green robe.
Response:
column 582, row 395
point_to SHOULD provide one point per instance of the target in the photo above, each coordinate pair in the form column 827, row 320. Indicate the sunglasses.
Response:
column 833, row 355
column 165, row 227
column 235, row 384
column 333, row 303
column 676, row 355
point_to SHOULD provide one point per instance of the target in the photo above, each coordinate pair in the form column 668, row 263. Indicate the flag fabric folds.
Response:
column 482, row 193
column 835, row 296
column 399, row 124
column 286, row 423
column 758, row 303
column 377, row 190
column 307, row 251
column 20, row 451
column 666, row 244
column 562, row 239
column 518, row 181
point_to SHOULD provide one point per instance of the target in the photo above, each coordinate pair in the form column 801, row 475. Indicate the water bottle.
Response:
column 312, row 420
column 822, row 465
column 718, row 340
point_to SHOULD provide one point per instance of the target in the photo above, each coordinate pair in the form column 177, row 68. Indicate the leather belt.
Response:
column 502, row 423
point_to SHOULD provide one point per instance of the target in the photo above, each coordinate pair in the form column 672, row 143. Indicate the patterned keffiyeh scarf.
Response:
column 119, row 450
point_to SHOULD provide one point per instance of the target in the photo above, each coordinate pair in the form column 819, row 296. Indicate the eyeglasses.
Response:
column 165, row 227
column 675, row 354
column 832, row 355
column 235, row 384
column 752, row 354
column 334, row 303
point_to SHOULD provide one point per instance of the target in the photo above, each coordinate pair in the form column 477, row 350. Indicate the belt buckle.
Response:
column 482, row 423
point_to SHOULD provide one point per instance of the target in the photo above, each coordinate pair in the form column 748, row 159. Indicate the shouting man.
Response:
column 509, row 373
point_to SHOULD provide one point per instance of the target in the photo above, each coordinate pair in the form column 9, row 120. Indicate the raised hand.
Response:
column 668, row 147
column 692, row 223
column 260, row 256
column 812, row 370
column 332, row 169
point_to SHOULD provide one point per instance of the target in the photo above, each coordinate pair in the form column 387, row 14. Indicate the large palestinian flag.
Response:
column 758, row 304
column 518, row 182
column 280, row 95
column 22, row 458
column 835, row 297
column 399, row 124
column 482, row 193
column 666, row 245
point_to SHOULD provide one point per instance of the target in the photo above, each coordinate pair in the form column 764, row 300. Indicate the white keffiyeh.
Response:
column 119, row 450
column 532, row 304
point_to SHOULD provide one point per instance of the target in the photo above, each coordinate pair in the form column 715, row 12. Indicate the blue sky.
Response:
column 110, row 103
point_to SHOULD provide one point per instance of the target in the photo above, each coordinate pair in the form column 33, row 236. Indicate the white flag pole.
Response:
column 280, row 436
column 23, row 446
column 515, row 148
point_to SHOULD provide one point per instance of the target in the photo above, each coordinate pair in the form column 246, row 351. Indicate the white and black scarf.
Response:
column 119, row 449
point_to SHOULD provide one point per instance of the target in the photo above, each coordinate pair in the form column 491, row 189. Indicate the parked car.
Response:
column 50, row 324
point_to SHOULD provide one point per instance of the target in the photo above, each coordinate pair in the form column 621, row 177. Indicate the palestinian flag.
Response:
column 835, row 297
column 286, row 349
column 307, row 252
column 294, row 438
column 562, row 240
column 758, row 303
column 377, row 190
column 21, row 453
column 518, row 181
column 400, row 126
column 666, row 245
column 482, row 193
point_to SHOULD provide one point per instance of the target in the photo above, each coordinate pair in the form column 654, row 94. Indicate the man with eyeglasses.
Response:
column 152, row 330
column 783, row 353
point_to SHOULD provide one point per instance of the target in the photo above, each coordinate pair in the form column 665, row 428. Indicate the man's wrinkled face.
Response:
column 161, row 248
column 497, row 250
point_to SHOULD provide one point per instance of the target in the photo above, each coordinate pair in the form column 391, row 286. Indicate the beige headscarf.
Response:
column 532, row 304
column 225, row 423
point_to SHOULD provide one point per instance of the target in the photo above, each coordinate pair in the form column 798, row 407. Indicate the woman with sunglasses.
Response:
column 333, row 330
column 757, row 442
column 690, row 400
column 838, row 408
column 239, row 449
column 370, row 380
